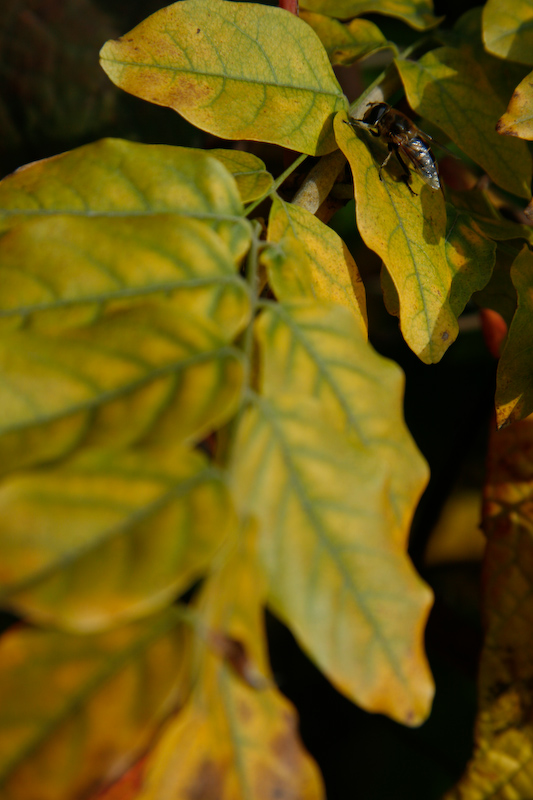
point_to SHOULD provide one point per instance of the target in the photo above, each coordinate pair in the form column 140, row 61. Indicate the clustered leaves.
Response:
column 191, row 405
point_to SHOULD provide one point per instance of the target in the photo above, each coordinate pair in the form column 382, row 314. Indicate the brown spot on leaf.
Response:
column 445, row 336
column 207, row 784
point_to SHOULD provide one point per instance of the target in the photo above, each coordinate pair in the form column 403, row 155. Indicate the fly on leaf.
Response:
column 402, row 137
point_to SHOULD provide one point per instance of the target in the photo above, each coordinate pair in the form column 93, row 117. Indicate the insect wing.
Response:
column 422, row 160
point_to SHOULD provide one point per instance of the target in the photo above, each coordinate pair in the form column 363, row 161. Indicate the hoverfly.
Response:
column 401, row 136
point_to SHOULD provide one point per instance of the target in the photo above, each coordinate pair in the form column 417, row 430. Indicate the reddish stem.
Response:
column 289, row 5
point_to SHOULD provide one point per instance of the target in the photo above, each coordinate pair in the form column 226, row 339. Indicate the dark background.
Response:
column 55, row 97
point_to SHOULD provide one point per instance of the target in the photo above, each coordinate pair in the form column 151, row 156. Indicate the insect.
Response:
column 402, row 137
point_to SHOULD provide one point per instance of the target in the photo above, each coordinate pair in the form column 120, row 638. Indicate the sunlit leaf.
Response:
column 68, row 270
column 408, row 233
column 514, row 384
column 249, row 171
column 417, row 13
column 310, row 349
column 507, row 29
column 450, row 88
column 109, row 536
column 114, row 178
column 518, row 119
column 236, row 737
column 144, row 373
column 470, row 255
column 348, row 43
column 75, row 710
column 219, row 64
column 502, row 765
column 338, row 577
column 325, row 265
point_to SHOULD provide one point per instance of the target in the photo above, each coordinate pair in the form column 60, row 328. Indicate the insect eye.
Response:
column 374, row 113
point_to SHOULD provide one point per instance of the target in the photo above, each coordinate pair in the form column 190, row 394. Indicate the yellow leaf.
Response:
column 457, row 534
column 518, row 119
column 408, row 234
column 324, row 264
column 450, row 88
column 76, row 710
column 417, row 13
column 249, row 172
column 312, row 350
column 346, row 43
column 338, row 577
column 219, row 64
column 145, row 373
column 114, row 178
column 502, row 764
column 233, row 739
column 109, row 536
column 68, row 270
column 507, row 29
column 514, row 381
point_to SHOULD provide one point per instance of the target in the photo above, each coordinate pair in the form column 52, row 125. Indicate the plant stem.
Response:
column 277, row 183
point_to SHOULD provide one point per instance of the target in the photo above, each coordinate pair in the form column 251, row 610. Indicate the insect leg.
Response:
column 391, row 151
column 406, row 177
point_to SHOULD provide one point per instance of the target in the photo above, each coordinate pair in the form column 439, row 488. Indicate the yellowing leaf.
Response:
column 348, row 43
column 144, row 373
column 518, row 119
column 514, row 382
column 249, row 172
column 234, row 739
column 457, row 534
column 113, row 178
column 312, row 350
column 66, row 271
column 220, row 65
column 417, row 13
column 338, row 578
column 507, row 29
column 75, row 710
column 450, row 88
column 408, row 234
column 324, row 265
column 502, row 765
column 470, row 256
column 109, row 536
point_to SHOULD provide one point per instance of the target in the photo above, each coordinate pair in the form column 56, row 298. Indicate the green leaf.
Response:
column 337, row 576
column 470, row 256
column 69, row 270
column 144, row 373
column 507, row 29
column 514, row 382
column 408, row 234
column 348, row 43
column 450, row 88
column 249, row 171
column 417, row 13
column 499, row 294
column 518, row 119
column 220, row 65
column 323, row 266
column 313, row 350
column 114, row 178
column 109, row 536
column 237, row 728
column 76, row 710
